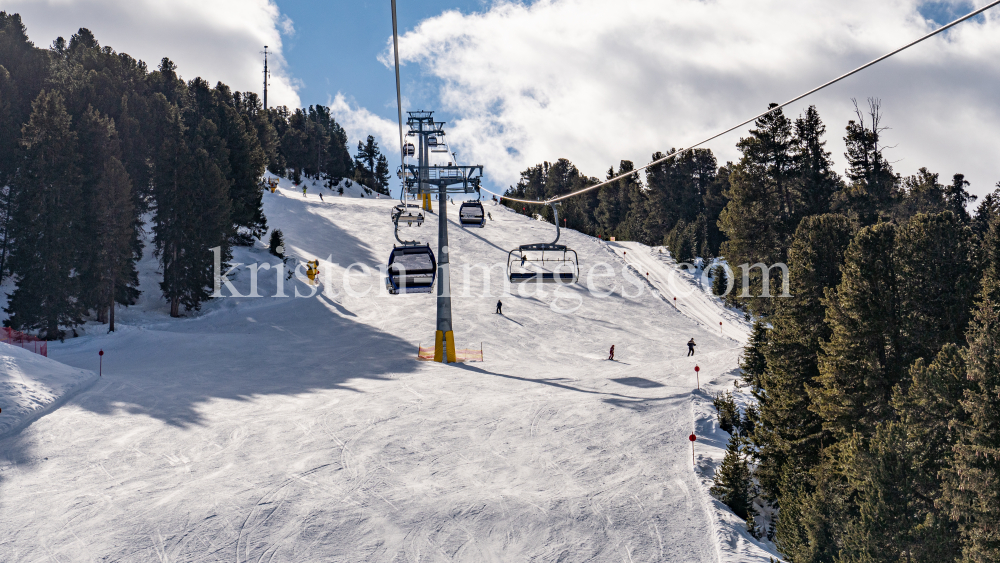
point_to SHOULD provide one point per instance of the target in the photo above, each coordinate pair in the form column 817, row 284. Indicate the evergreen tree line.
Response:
column 311, row 144
column 95, row 148
column 877, row 427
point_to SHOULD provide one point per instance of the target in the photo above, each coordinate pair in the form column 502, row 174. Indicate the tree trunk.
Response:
column 111, row 309
column 175, row 306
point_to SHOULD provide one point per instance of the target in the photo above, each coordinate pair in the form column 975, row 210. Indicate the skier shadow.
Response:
column 511, row 320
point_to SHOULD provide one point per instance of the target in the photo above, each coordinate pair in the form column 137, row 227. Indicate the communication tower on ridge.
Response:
column 267, row 75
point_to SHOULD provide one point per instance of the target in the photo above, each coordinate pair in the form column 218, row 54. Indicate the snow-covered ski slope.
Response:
column 686, row 290
column 304, row 429
column 32, row 386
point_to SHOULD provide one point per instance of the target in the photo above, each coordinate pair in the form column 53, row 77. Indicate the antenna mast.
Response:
column 266, row 76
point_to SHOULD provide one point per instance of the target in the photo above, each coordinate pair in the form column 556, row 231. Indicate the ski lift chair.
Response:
column 529, row 262
column 472, row 214
column 407, row 213
column 411, row 269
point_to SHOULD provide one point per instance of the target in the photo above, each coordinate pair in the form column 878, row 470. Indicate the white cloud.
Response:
column 219, row 40
column 358, row 123
column 597, row 81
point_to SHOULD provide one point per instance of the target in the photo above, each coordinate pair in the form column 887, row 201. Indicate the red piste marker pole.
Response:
column 100, row 369
column 692, row 437
column 698, row 378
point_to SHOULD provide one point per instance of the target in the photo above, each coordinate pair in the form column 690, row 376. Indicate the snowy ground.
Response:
column 32, row 386
column 304, row 429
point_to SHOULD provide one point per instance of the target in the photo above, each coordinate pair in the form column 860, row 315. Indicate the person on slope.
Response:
column 321, row 196
column 691, row 346
column 303, row 190
column 611, row 355
column 488, row 215
column 499, row 307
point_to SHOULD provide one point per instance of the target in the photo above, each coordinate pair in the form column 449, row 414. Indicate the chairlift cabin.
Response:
column 437, row 145
column 411, row 269
column 472, row 214
column 409, row 150
column 544, row 262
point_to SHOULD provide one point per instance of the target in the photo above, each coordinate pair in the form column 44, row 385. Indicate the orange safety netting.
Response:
column 462, row 355
column 26, row 341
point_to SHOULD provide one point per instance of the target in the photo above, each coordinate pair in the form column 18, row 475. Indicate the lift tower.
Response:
column 425, row 179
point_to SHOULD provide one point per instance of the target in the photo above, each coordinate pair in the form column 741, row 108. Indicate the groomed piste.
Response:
column 305, row 428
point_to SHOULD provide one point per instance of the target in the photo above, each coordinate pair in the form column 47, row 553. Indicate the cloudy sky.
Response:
column 588, row 80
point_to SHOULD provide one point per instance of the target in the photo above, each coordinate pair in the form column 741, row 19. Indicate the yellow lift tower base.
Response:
column 444, row 347
column 427, row 202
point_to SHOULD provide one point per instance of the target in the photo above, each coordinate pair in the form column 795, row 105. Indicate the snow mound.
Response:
column 32, row 386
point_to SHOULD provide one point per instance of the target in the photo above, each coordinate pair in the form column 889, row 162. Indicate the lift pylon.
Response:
column 423, row 179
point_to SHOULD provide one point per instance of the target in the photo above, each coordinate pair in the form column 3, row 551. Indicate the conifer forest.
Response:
column 96, row 148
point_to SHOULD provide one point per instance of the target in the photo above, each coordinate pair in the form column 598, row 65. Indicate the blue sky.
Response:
column 336, row 44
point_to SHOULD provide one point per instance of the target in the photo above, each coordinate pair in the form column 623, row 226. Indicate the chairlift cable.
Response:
column 752, row 119
column 399, row 97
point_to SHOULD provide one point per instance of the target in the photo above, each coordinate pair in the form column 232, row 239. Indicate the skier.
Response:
column 303, row 190
column 499, row 307
column 321, row 196
column 488, row 215
column 691, row 346
column 611, row 356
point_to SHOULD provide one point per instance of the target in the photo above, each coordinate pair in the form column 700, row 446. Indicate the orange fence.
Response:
column 26, row 341
column 461, row 355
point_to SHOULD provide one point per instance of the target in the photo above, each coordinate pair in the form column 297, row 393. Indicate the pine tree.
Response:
column 816, row 181
column 116, row 236
column 610, row 210
column 873, row 187
column 371, row 169
column 720, row 281
column 892, row 522
column 972, row 484
column 733, row 482
column 276, row 245
column 752, row 360
column 938, row 274
column 759, row 218
column 988, row 209
column 863, row 359
column 192, row 208
column 957, row 198
column 245, row 159
column 789, row 434
column 106, row 258
column 46, row 217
